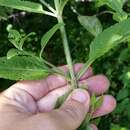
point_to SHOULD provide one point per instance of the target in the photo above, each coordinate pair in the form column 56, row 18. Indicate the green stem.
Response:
column 54, row 68
column 57, row 5
column 83, row 69
column 48, row 6
column 67, row 53
column 49, row 13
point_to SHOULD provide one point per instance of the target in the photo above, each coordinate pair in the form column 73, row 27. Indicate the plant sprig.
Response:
column 22, row 65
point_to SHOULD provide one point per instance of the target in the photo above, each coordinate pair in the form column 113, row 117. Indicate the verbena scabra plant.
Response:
column 22, row 65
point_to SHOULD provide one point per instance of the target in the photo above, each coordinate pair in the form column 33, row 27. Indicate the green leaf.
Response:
column 114, row 4
column 120, row 16
column 14, row 37
column 91, row 24
column 105, row 41
column 100, row 3
column 117, row 6
column 109, row 38
column 13, row 52
column 123, row 93
column 46, row 37
column 17, row 39
column 23, row 5
column 122, row 106
column 128, row 109
column 22, row 41
column 124, row 55
column 3, row 13
column 62, row 99
column 98, row 103
column 22, row 68
column 96, row 121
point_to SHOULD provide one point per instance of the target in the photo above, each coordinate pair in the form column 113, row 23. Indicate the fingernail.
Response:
column 80, row 96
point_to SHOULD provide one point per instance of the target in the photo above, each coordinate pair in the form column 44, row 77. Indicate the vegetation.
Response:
column 100, row 25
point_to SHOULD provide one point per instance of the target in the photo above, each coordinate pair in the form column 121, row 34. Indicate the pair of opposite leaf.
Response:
column 105, row 41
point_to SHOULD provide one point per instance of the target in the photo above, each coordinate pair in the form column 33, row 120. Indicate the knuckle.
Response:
column 74, row 113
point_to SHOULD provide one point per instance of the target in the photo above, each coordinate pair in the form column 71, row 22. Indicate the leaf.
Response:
column 22, row 68
column 46, row 37
column 62, row 99
column 98, row 103
column 17, row 39
column 116, row 5
column 123, row 93
column 3, row 13
column 105, row 41
column 124, row 55
column 120, row 16
column 109, row 38
column 122, row 106
column 96, row 121
column 128, row 109
column 14, row 37
column 91, row 24
column 22, row 41
column 15, row 52
column 23, row 5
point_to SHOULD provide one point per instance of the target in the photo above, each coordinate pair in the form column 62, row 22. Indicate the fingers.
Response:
column 74, row 110
column 68, row 117
column 109, row 104
column 38, row 89
column 96, row 84
column 48, row 102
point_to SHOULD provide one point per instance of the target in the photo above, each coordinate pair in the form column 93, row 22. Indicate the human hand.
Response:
column 29, row 105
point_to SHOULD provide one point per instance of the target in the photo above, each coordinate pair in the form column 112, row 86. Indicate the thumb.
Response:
column 73, row 111
column 68, row 117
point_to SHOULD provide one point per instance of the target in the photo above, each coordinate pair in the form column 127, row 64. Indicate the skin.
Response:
column 29, row 105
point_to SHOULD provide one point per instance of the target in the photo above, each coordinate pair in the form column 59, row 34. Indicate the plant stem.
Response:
column 49, row 13
column 54, row 68
column 83, row 69
column 48, row 6
column 67, row 53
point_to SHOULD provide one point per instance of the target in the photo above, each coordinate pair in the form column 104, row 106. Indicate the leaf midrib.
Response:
column 13, row 69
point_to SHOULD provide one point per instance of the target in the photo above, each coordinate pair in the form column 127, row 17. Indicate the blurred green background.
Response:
column 115, row 64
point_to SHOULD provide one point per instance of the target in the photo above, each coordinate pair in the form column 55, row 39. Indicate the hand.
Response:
column 29, row 105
